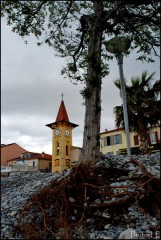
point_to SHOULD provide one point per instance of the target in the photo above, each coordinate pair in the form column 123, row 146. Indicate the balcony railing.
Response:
column 19, row 168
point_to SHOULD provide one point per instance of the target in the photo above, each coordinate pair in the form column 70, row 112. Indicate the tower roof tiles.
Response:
column 62, row 113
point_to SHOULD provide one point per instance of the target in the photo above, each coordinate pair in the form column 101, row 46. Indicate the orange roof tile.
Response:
column 41, row 156
column 62, row 113
column 113, row 130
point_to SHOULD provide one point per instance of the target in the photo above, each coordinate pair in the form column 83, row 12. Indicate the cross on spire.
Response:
column 62, row 95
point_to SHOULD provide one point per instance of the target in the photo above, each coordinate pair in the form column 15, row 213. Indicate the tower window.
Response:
column 57, row 148
column 57, row 162
column 68, row 162
column 67, row 150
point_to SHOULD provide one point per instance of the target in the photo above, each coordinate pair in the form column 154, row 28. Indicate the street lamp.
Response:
column 117, row 46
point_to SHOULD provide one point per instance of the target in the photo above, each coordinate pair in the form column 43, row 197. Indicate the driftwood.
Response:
column 50, row 213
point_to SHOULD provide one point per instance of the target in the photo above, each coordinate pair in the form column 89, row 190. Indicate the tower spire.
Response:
column 62, row 116
column 62, row 113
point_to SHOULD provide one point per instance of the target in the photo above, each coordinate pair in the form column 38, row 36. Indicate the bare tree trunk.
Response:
column 91, row 136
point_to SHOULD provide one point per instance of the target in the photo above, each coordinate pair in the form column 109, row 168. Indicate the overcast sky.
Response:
column 31, row 88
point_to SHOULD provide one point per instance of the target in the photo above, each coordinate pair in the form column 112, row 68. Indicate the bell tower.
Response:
column 61, row 140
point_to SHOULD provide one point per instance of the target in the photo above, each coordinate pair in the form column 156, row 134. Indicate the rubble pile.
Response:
column 118, row 198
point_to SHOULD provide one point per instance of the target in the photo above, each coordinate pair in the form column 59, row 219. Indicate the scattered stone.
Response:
column 98, row 201
column 107, row 226
column 145, row 227
column 106, row 215
column 128, row 234
column 71, row 199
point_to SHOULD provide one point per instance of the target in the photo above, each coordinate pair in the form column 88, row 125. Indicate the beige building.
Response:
column 75, row 152
column 30, row 160
column 114, row 141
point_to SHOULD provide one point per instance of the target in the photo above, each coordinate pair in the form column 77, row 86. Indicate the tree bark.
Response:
column 144, row 143
column 91, row 136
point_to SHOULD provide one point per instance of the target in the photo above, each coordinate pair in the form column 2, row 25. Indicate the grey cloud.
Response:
column 32, row 87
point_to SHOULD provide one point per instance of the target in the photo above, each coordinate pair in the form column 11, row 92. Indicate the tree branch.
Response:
column 63, row 19
column 68, row 9
column 108, row 15
column 84, row 20
column 28, row 11
column 135, row 31
column 80, row 47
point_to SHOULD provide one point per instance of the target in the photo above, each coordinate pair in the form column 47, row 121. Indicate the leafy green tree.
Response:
column 143, row 106
column 79, row 31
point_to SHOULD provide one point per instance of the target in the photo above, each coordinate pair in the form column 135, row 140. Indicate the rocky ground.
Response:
column 118, row 198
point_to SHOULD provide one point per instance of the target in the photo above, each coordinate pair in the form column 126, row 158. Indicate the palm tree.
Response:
column 142, row 106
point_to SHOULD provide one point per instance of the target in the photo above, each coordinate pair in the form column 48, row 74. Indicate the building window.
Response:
column 118, row 139
column 112, row 140
column 136, row 140
column 33, row 164
column 153, row 137
column 109, row 140
column 108, row 143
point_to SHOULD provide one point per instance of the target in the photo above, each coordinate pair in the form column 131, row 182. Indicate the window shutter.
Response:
column 120, row 138
column 153, row 138
column 105, row 141
column 136, row 140
column 149, row 141
column 156, row 136
column 112, row 140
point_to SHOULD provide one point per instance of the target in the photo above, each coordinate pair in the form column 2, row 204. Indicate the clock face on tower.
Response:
column 57, row 132
column 67, row 132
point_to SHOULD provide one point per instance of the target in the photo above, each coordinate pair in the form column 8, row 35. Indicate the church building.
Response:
column 62, row 149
